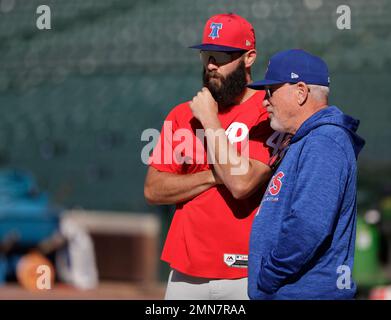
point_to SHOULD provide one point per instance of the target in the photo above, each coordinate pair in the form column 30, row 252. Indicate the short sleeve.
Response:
column 162, row 157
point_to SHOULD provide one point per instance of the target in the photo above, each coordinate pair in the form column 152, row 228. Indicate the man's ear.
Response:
column 250, row 57
column 302, row 93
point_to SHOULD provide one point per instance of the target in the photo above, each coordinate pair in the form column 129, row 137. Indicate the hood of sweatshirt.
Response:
column 332, row 116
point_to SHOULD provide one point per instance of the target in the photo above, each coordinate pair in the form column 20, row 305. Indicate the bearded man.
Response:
column 217, row 188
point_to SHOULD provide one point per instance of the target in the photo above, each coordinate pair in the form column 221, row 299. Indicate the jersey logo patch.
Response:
column 215, row 30
column 236, row 132
column 236, row 260
column 276, row 184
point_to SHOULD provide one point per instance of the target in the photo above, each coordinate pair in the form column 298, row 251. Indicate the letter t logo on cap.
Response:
column 215, row 30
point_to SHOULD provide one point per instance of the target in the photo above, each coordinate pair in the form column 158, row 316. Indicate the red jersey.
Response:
column 209, row 234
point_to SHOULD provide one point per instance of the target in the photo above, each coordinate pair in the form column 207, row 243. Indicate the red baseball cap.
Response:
column 227, row 32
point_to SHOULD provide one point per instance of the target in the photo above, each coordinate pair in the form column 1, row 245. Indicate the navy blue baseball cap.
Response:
column 293, row 66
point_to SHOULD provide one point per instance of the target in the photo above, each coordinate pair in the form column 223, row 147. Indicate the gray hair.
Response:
column 320, row 93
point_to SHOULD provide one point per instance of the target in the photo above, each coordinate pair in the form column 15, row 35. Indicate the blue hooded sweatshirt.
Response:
column 303, row 236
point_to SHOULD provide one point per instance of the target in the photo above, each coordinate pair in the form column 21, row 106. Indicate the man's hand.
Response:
column 205, row 109
column 226, row 156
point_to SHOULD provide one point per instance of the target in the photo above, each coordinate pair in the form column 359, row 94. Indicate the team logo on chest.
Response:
column 236, row 132
column 276, row 184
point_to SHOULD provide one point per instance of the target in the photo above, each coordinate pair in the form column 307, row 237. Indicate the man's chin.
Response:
column 275, row 125
column 215, row 83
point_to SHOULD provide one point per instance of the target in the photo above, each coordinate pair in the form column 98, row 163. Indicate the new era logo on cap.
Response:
column 294, row 75
column 227, row 32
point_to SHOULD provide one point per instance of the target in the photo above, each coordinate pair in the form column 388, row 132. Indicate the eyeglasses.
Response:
column 219, row 57
column 270, row 90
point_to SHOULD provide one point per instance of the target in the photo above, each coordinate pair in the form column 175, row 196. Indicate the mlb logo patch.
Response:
column 229, row 259
column 236, row 260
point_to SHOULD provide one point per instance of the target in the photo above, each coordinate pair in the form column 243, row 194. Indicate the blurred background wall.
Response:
column 75, row 99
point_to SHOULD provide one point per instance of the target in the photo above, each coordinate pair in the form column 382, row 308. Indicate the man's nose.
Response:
column 266, row 102
column 212, row 65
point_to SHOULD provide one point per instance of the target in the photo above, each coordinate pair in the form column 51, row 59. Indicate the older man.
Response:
column 302, row 238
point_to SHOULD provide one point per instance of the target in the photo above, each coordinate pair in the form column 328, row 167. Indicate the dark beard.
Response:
column 231, row 87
